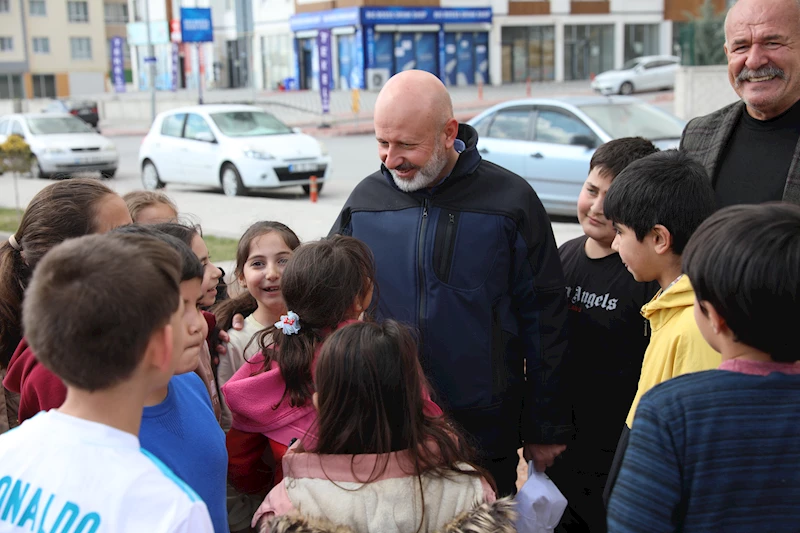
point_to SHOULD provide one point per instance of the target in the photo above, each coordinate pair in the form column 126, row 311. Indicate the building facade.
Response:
column 51, row 48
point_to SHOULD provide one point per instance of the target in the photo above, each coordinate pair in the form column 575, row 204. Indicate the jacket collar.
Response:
column 468, row 161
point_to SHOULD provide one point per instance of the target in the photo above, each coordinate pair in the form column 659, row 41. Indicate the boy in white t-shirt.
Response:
column 102, row 312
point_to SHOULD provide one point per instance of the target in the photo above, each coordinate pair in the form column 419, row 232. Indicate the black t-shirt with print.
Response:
column 607, row 337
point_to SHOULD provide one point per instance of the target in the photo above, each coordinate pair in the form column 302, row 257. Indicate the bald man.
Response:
column 465, row 253
column 750, row 149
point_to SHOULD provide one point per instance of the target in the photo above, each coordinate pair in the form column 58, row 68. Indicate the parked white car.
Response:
column 61, row 144
column 648, row 73
column 235, row 147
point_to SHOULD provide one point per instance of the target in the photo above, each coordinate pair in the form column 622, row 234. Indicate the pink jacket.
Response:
column 332, row 487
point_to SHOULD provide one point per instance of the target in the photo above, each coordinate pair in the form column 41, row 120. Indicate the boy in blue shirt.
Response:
column 178, row 423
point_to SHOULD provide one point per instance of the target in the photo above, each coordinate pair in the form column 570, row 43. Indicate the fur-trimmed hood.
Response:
column 496, row 517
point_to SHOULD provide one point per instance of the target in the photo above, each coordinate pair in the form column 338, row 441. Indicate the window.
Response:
column 560, row 128
column 195, row 125
column 44, row 86
column 38, row 8
column 641, row 40
column 116, row 13
column 11, row 87
column 513, row 124
column 173, row 125
column 5, row 6
column 3, row 125
column 16, row 128
column 78, row 11
column 41, row 45
column 80, row 47
column 6, row 44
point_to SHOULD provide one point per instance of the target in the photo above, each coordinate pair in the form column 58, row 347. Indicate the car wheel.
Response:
column 150, row 179
column 108, row 174
column 307, row 188
column 626, row 88
column 36, row 170
column 232, row 181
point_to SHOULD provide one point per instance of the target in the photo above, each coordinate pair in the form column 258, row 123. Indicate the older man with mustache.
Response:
column 466, row 255
column 750, row 149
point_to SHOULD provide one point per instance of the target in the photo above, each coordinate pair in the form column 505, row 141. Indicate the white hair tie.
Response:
column 12, row 240
column 289, row 323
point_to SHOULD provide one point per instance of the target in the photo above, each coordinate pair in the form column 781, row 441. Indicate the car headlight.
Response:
column 110, row 148
column 257, row 154
column 54, row 151
column 323, row 148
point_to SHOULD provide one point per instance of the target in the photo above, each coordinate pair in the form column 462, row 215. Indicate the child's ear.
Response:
column 662, row 239
column 718, row 323
column 159, row 353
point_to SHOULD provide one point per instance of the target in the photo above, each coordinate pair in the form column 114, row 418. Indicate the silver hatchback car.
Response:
column 550, row 142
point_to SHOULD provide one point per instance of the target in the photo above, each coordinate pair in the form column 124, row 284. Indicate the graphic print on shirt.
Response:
column 580, row 298
column 25, row 506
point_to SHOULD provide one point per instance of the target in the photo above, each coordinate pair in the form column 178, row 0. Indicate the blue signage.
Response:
column 325, row 68
column 196, row 25
column 118, row 64
column 369, row 16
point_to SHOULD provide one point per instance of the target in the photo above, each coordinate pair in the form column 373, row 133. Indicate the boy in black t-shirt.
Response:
column 607, row 338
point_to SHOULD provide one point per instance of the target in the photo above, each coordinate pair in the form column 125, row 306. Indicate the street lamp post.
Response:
column 151, row 61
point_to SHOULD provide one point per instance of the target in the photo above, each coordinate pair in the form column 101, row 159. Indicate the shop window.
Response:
column 641, row 40
column 10, row 86
column 44, row 86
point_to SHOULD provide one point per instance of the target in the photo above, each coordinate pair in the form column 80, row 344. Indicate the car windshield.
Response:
column 56, row 125
column 634, row 120
column 630, row 64
column 249, row 124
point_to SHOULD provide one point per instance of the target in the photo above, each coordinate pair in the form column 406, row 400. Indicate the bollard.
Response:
column 480, row 89
column 313, row 190
column 528, row 86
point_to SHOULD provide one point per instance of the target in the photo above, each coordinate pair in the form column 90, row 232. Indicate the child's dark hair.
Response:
column 61, row 211
column 245, row 304
column 107, row 294
column 668, row 188
column 745, row 261
column 370, row 400
column 320, row 284
column 612, row 157
column 185, row 232
column 190, row 265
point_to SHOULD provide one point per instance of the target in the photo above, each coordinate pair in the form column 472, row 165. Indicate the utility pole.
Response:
column 151, row 61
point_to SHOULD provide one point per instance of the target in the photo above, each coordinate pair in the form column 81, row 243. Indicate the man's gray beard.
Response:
column 426, row 176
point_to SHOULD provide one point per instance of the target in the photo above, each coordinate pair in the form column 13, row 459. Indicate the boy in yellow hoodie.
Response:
column 655, row 205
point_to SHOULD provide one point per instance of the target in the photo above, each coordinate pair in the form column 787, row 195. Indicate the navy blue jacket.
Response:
column 472, row 265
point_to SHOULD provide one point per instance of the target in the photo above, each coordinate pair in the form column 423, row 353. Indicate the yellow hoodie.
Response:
column 676, row 344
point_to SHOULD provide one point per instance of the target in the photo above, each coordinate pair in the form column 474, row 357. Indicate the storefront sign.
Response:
column 137, row 33
column 369, row 16
column 196, row 26
column 118, row 64
column 325, row 68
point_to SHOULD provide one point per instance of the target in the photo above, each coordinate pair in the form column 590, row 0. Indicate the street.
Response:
column 354, row 157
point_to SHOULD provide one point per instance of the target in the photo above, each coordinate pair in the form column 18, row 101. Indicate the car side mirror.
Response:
column 205, row 136
column 584, row 140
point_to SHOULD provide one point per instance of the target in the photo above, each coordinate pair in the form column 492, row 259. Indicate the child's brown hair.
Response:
column 371, row 392
column 244, row 303
column 320, row 284
column 94, row 302
column 139, row 200
column 60, row 211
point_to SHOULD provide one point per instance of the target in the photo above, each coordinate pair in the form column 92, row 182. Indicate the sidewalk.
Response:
column 303, row 109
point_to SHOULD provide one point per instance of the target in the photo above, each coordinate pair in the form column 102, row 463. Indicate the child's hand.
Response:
column 224, row 338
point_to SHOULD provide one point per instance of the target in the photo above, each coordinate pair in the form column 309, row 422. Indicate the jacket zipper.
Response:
column 645, row 326
column 421, row 262
column 448, row 236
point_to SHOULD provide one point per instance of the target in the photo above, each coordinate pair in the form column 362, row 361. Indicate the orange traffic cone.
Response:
column 314, row 191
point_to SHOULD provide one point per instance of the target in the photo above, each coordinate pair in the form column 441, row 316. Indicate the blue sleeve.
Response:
column 540, row 302
column 647, row 494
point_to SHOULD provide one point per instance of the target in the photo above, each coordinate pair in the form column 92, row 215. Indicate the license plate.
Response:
column 303, row 167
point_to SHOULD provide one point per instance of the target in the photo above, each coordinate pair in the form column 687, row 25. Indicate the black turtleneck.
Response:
column 756, row 162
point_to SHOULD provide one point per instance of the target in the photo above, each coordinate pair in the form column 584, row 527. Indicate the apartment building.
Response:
column 52, row 48
column 466, row 42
